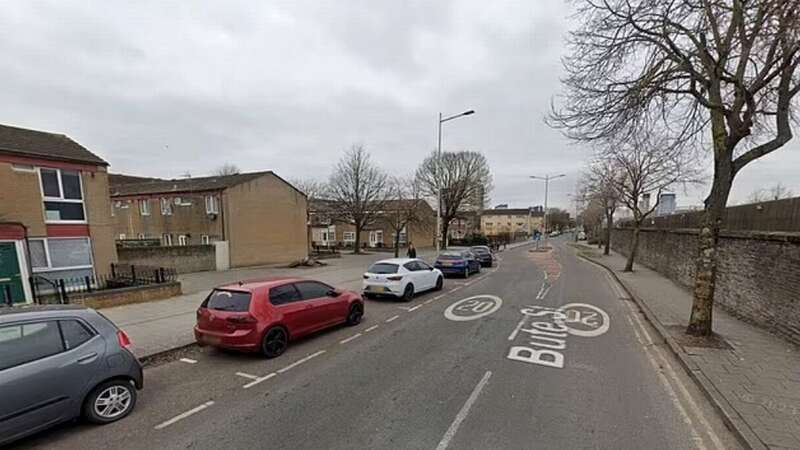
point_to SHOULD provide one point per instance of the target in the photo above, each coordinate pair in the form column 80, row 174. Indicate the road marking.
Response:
column 414, row 308
column 188, row 360
column 247, row 375
column 345, row 341
column 182, row 416
column 259, row 380
column 428, row 301
column 370, row 328
column 439, row 296
column 301, row 361
column 462, row 414
column 392, row 318
column 474, row 307
column 516, row 330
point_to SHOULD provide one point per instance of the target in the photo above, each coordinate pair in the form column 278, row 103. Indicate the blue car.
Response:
column 457, row 262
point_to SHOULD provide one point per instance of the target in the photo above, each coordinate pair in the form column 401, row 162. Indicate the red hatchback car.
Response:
column 262, row 316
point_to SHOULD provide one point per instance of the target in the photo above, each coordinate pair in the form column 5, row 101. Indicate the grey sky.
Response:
column 161, row 88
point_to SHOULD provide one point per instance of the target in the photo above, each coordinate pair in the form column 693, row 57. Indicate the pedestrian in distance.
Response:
column 412, row 252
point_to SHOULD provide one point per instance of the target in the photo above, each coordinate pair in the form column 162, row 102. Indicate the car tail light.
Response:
column 242, row 319
column 124, row 340
column 366, row 277
column 395, row 278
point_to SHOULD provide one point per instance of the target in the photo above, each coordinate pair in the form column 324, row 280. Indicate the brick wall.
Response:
column 758, row 279
column 184, row 259
column 127, row 296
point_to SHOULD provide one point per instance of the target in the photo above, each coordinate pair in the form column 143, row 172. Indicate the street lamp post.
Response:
column 438, row 181
column 546, row 180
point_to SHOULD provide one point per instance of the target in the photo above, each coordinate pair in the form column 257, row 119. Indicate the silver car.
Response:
column 62, row 362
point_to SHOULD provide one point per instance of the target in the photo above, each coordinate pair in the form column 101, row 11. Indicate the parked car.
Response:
column 554, row 233
column 62, row 362
column 457, row 262
column 265, row 315
column 483, row 254
column 401, row 278
column 581, row 236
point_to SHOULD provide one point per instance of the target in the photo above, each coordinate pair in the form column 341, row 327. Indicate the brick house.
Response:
column 259, row 217
column 513, row 221
column 55, row 219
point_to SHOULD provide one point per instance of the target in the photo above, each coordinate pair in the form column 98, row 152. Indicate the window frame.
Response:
column 92, row 332
column 349, row 233
column 299, row 298
column 49, row 260
column 302, row 299
column 166, row 206
column 183, row 240
column 60, row 198
column 144, row 207
column 53, row 321
column 166, row 237
column 212, row 204
column 205, row 239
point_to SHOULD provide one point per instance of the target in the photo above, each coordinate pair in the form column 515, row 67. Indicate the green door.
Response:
column 10, row 273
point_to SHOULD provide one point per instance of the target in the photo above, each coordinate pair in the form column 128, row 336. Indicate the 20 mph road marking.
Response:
column 179, row 417
column 462, row 414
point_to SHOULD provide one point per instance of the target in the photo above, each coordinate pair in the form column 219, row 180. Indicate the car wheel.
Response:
column 478, row 270
column 355, row 315
column 369, row 296
column 408, row 293
column 439, row 284
column 275, row 342
column 110, row 401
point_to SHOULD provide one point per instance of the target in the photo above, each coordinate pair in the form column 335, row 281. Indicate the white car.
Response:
column 401, row 278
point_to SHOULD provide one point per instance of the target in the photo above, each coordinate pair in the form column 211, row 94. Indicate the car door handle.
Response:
column 85, row 359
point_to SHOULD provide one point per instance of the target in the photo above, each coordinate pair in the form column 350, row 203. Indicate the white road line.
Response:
column 370, row 328
column 247, row 375
column 428, row 301
column 392, row 318
column 345, row 341
column 259, row 380
column 539, row 295
column 182, row 416
column 438, row 296
column 414, row 308
column 462, row 414
column 516, row 329
column 301, row 361
column 188, row 360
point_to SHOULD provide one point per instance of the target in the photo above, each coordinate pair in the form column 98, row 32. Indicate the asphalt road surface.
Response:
column 542, row 352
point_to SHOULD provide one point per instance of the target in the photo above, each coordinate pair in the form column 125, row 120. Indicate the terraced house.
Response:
column 257, row 217
column 55, row 215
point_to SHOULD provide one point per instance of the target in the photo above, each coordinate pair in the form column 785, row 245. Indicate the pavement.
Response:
column 755, row 383
column 543, row 351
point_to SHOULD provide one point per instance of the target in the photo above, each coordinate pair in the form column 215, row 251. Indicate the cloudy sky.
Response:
column 164, row 88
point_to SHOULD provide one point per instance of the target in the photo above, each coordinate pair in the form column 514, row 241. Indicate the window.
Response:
column 74, row 333
column 424, row 266
column 166, row 239
column 22, row 168
column 63, row 195
column 349, row 236
column 61, row 253
column 412, row 266
column 212, row 204
column 141, row 235
column 383, row 268
column 144, row 207
column 281, row 295
column 183, row 240
column 23, row 343
column 205, row 240
column 235, row 301
column 312, row 289
column 166, row 207
column 122, row 236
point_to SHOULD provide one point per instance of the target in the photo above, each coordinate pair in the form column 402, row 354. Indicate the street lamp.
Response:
column 438, row 183
column 546, row 180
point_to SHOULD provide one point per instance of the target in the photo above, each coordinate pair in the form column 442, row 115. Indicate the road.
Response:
column 410, row 376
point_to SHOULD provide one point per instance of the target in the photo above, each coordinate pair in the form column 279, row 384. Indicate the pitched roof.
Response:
column 41, row 144
column 122, row 185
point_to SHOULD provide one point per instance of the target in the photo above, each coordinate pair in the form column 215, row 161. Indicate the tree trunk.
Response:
column 445, row 227
column 634, row 248
column 396, row 244
column 357, row 243
column 609, row 224
column 700, row 321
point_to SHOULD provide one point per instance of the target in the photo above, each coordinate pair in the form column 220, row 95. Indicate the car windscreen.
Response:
column 381, row 268
column 234, row 301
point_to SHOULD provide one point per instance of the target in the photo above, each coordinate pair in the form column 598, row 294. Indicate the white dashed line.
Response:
column 414, row 308
column 428, row 301
column 370, row 328
column 345, row 341
column 462, row 414
column 188, row 361
column 516, row 329
column 301, row 361
column 259, row 380
column 247, row 375
column 179, row 417
column 392, row 318
column 438, row 296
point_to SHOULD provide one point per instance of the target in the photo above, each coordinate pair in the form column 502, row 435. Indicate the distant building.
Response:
column 666, row 205
column 516, row 221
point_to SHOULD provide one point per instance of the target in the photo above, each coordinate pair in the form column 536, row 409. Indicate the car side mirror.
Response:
column 334, row 293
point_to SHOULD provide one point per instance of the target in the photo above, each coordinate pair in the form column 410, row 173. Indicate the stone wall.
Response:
column 125, row 296
column 184, row 259
column 758, row 278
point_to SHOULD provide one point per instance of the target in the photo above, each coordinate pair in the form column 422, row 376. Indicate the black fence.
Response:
column 59, row 290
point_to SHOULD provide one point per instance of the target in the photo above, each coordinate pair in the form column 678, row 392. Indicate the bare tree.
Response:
column 227, row 169
column 719, row 74
column 404, row 207
column 598, row 187
column 313, row 188
column 776, row 192
column 358, row 190
column 465, row 181
column 640, row 167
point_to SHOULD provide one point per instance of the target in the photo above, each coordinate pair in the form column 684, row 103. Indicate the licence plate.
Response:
column 211, row 340
column 377, row 289
column 447, row 263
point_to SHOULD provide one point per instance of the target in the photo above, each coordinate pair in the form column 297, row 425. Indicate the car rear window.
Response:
column 451, row 255
column 222, row 300
column 383, row 268
column 480, row 250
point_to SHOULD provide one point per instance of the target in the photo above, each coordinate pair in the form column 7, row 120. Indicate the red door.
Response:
column 297, row 314
column 326, row 310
